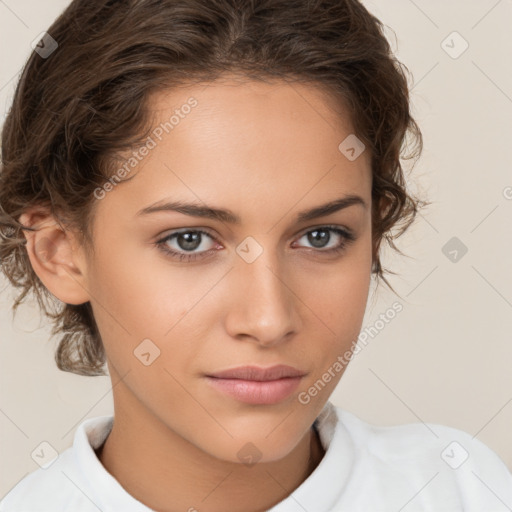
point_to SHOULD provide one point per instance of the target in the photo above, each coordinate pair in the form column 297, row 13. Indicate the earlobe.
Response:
column 55, row 257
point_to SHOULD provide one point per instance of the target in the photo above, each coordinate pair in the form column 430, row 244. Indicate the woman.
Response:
column 203, row 186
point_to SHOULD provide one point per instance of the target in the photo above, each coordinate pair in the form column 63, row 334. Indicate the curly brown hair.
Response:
column 75, row 111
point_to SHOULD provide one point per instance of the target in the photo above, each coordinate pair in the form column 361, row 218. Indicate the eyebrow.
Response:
column 209, row 212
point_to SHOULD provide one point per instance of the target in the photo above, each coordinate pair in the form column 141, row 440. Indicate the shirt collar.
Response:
column 318, row 492
column 325, row 485
column 100, row 486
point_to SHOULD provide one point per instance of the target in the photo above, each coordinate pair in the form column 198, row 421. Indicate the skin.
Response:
column 265, row 151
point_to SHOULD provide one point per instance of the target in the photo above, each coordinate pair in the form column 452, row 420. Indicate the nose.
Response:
column 263, row 307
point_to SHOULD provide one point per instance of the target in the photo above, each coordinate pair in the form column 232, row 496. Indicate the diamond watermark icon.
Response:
column 454, row 249
column 455, row 455
column 146, row 352
column 249, row 454
column 44, row 45
column 249, row 250
column 454, row 45
column 44, row 455
column 352, row 147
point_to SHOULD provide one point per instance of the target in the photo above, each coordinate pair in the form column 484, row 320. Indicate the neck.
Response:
column 168, row 474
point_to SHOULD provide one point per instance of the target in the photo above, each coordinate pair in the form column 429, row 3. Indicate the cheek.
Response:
column 156, row 309
column 130, row 290
column 339, row 297
column 338, row 304
column 335, row 327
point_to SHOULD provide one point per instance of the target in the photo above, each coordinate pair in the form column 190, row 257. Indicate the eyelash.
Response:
column 347, row 238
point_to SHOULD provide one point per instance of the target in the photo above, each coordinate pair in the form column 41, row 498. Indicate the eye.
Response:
column 186, row 241
column 192, row 244
column 320, row 238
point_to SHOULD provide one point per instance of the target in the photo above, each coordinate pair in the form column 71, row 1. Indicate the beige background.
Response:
column 446, row 357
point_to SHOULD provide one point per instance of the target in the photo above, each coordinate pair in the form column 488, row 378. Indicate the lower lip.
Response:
column 256, row 392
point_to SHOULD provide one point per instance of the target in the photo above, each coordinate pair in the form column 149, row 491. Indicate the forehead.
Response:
column 240, row 108
column 246, row 142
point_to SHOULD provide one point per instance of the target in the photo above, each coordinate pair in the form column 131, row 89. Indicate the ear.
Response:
column 55, row 256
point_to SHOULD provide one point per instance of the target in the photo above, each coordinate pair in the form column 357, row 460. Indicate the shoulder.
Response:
column 45, row 488
column 400, row 442
column 435, row 461
column 70, row 481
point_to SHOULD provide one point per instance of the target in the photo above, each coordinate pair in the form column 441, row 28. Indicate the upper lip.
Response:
column 280, row 371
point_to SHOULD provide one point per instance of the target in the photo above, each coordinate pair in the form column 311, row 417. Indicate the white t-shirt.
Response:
column 365, row 468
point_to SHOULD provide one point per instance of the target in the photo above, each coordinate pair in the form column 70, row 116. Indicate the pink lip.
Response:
column 254, row 385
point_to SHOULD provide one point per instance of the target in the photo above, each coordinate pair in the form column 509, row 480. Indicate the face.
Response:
column 245, row 278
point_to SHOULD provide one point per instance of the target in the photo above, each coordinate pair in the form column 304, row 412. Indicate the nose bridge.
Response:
column 264, row 307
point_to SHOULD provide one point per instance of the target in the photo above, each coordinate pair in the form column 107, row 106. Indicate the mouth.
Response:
column 257, row 386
